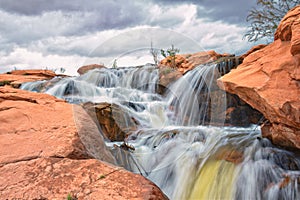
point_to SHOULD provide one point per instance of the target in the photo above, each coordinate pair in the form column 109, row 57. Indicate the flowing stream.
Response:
column 177, row 145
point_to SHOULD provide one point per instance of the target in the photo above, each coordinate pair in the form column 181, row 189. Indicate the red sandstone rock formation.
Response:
column 86, row 68
column 269, row 80
column 186, row 62
column 17, row 77
column 253, row 49
column 50, row 149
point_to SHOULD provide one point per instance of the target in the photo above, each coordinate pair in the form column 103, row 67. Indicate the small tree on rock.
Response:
column 170, row 54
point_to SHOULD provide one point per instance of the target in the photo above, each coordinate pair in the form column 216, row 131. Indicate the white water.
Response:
column 191, row 108
column 175, row 147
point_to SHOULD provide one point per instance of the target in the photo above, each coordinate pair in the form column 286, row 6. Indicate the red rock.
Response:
column 56, row 178
column 86, row 68
column 49, row 149
column 284, row 30
column 35, row 72
column 268, row 80
column 167, row 75
column 289, row 30
column 253, row 49
column 17, row 77
column 39, row 125
column 230, row 155
column 186, row 62
column 114, row 121
column 295, row 41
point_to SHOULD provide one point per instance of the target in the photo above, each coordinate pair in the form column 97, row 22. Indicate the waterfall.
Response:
column 215, row 163
column 177, row 144
column 191, row 96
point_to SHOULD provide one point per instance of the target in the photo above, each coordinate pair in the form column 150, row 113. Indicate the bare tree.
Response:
column 265, row 18
column 115, row 65
column 154, row 53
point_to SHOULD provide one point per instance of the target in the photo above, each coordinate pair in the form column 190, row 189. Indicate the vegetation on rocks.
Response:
column 170, row 55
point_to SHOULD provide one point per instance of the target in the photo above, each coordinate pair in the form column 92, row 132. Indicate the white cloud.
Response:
column 21, row 58
column 72, row 38
column 23, row 29
column 216, row 35
column 168, row 16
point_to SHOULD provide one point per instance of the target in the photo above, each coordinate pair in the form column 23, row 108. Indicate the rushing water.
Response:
column 175, row 146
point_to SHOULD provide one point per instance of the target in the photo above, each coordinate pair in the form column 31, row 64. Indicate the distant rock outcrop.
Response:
column 17, row 77
column 269, row 80
column 186, row 62
column 86, row 68
column 50, row 149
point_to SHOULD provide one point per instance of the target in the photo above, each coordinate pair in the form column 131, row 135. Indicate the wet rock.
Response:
column 144, row 77
column 167, row 76
column 230, row 155
column 268, row 80
column 113, row 121
column 86, row 68
column 239, row 113
column 228, row 109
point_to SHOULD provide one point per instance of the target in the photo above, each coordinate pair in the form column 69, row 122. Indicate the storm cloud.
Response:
column 233, row 11
column 56, row 33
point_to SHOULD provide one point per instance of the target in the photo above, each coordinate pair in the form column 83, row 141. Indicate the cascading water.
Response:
column 176, row 145
column 216, row 163
column 191, row 95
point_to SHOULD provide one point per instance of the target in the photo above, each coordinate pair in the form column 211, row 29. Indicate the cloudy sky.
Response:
column 70, row 33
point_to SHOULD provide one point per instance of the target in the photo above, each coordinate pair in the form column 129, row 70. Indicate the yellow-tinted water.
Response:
column 215, row 181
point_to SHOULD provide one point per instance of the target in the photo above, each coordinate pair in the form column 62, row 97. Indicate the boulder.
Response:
column 37, row 125
column 167, row 75
column 86, row 68
column 17, row 77
column 60, row 178
column 113, row 120
column 50, row 149
column 269, row 81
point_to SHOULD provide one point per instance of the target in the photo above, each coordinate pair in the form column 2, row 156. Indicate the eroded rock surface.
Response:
column 56, row 178
column 269, row 80
column 50, row 149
